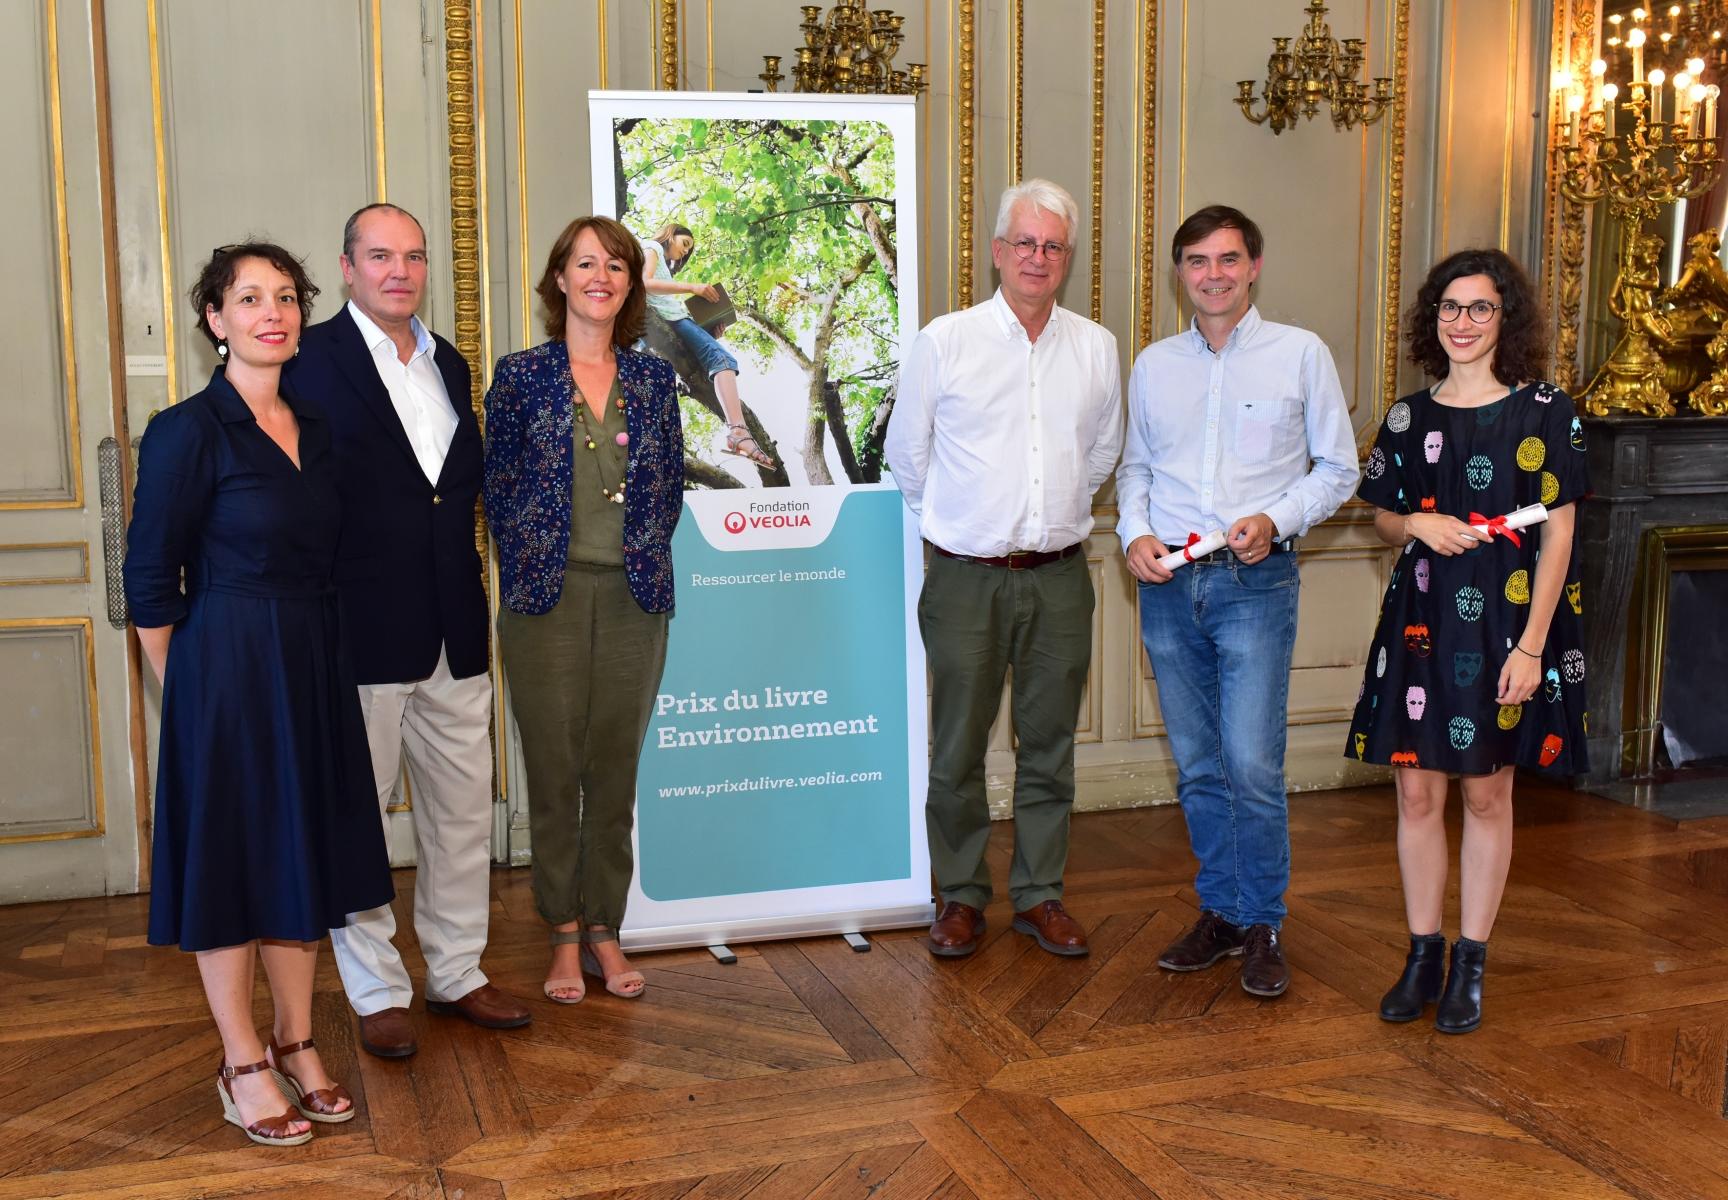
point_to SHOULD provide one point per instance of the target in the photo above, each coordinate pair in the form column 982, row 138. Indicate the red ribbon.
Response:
column 1192, row 539
column 1496, row 525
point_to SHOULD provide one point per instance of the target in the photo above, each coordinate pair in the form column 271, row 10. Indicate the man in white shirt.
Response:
column 1235, row 424
column 1007, row 420
column 398, row 399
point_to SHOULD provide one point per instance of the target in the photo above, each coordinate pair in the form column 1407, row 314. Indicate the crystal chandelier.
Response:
column 1321, row 69
column 850, row 50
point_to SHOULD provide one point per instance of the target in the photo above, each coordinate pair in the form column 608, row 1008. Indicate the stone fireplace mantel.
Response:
column 1646, row 473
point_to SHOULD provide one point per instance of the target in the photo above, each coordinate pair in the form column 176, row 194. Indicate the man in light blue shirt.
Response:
column 1236, row 424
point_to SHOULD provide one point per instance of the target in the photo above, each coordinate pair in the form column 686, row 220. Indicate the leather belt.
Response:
column 1017, row 560
column 1223, row 554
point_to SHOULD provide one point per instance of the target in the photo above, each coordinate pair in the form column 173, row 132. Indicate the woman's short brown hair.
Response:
column 1520, row 356
column 217, row 276
column 620, row 243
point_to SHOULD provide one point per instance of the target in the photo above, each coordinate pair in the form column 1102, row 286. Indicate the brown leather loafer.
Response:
column 1264, row 972
column 388, row 1033
column 956, row 931
column 1202, row 944
column 487, row 1007
column 1054, row 930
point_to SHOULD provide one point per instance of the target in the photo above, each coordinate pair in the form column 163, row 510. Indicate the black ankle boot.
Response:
column 1424, row 975
column 1460, row 1008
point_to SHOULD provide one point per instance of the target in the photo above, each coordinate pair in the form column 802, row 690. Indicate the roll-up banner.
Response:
column 782, row 784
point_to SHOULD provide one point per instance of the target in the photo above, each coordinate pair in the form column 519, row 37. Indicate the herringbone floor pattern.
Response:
column 809, row 1070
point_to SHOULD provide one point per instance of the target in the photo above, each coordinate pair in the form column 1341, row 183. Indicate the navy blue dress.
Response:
column 267, row 821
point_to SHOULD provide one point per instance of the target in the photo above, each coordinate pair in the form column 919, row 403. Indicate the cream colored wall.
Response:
column 233, row 118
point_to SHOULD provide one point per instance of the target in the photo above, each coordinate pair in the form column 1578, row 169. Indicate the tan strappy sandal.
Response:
column 626, row 985
column 564, row 938
column 319, row 1105
column 266, row 1131
column 741, row 442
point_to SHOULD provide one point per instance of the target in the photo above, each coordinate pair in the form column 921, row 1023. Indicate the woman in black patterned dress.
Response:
column 1477, row 665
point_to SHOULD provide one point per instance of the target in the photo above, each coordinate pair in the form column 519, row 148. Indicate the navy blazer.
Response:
column 407, row 570
column 530, row 437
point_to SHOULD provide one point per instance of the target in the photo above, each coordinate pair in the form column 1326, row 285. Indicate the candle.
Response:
column 1656, row 79
column 1598, row 68
column 1635, row 39
column 1694, row 95
column 1682, row 106
column 1610, row 98
column 1710, row 95
column 1574, row 102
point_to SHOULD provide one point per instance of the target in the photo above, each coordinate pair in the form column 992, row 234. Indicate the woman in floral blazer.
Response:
column 584, row 486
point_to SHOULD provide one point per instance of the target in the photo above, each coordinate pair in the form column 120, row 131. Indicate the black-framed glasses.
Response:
column 1481, row 311
column 1027, row 247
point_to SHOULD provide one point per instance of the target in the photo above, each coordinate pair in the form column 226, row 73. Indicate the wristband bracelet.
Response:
column 1525, row 652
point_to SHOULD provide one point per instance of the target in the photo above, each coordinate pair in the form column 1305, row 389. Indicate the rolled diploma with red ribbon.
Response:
column 1197, row 547
column 1522, row 518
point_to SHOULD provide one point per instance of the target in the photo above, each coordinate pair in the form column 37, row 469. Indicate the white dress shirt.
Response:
column 416, row 388
column 1260, row 426
column 998, row 442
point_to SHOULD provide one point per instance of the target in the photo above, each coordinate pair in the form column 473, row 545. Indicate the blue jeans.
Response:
column 1219, row 637
column 714, row 357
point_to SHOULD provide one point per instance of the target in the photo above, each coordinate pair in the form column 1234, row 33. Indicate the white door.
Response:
column 70, row 813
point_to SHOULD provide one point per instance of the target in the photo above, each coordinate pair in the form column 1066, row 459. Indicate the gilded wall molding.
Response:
column 1148, row 181
column 1574, row 42
column 1394, row 279
column 1019, row 35
column 158, row 134
column 379, row 159
column 668, row 45
column 966, row 99
column 1098, row 160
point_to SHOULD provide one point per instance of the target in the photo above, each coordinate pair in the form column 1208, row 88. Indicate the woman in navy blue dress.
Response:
column 1477, row 666
column 267, row 828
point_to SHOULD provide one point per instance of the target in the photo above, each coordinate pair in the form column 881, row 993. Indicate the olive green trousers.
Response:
column 582, row 681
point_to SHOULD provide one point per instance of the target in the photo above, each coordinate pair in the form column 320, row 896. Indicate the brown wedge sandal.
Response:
column 318, row 1105
column 626, row 985
column 266, row 1131
column 564, row 985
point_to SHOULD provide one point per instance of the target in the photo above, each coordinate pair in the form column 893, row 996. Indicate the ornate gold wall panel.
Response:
column 965, row 98
column 1097, row 159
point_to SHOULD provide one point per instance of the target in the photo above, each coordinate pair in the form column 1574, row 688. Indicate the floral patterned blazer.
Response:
column 530, row 438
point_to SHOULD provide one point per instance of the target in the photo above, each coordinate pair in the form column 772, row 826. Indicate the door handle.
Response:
column 113, row 530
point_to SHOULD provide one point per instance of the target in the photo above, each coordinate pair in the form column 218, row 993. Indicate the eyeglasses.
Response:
column 1027, row 247
column 1481, row 312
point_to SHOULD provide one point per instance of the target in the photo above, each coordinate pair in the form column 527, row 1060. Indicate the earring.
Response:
column 222, row 349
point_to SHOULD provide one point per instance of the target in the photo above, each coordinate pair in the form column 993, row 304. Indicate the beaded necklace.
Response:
column 623, row 439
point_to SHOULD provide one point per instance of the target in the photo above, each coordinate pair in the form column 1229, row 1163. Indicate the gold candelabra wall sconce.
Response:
column 1627, row 153
column 850, row 50
column 1321, row 69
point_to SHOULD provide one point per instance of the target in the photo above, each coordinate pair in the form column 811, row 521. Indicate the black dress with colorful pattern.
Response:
column 1447, row 623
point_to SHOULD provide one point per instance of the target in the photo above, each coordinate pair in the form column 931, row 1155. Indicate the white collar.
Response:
column 372, row 333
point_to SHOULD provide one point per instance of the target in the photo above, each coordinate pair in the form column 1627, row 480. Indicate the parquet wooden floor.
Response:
column 810, row 1070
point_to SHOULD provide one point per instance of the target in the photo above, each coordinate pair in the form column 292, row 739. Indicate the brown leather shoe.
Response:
column 1264, row 972
column 1054, row 930
column 1202, row 944
column 956, row 931
column 388, row 1033
column 487, row 1007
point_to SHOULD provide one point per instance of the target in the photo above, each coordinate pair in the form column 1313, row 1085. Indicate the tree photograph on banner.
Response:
column 782, row 782
column 792, row 232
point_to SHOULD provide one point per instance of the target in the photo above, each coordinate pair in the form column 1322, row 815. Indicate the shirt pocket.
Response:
column 1267, row 429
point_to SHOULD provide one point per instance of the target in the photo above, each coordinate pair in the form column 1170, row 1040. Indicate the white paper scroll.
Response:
column 1212, row 541
column 1523, row 518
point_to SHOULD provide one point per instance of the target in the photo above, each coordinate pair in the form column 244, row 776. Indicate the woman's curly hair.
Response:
column 1520, row 356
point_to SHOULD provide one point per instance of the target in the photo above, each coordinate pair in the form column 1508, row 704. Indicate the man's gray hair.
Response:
column 351, row 231
column 1042, row 196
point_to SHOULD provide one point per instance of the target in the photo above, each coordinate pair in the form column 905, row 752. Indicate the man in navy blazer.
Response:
column 398, row 400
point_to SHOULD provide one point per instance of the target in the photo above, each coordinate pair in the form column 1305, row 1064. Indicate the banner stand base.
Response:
column 721, row 934
column 859, row 943
column 724, row 954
